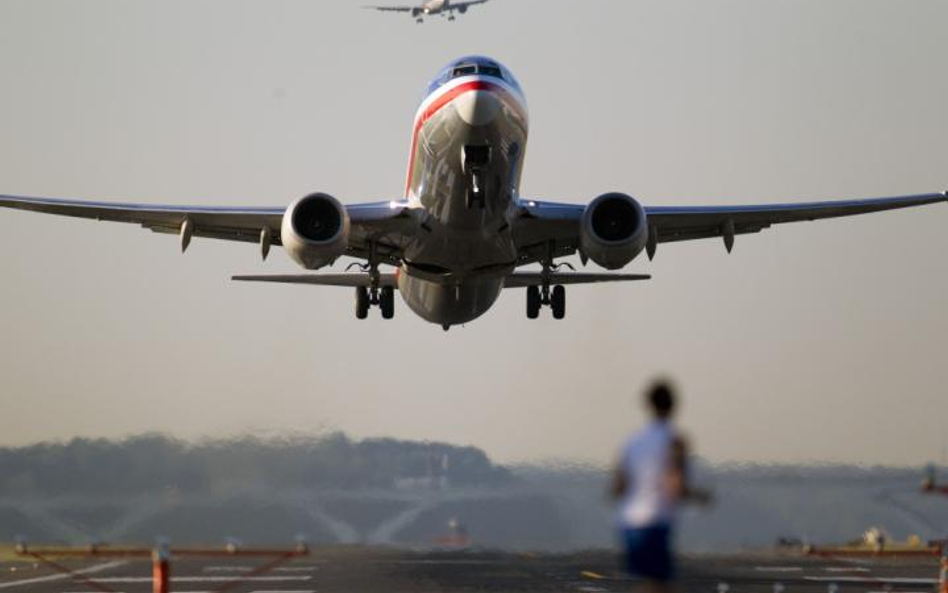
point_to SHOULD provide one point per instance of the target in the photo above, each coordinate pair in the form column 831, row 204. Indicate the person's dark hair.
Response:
column 661, row 399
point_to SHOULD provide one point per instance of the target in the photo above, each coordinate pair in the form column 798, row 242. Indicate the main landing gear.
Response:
column 538, row 296
column 366, row 296
column 383, row 297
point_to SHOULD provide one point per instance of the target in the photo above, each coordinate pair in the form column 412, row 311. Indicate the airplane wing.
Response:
column 381, row 221
column 455, row 5
column 392, row 8
column 545, row 222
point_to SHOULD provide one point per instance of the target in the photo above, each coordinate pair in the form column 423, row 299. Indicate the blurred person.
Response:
column 650, row 481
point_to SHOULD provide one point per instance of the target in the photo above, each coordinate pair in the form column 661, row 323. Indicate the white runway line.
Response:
column 62, row 577
column 874, row 580
column 283, row 591
column 446, row 562
column 778, row 568
column 227, row 568
column 296, row 569
column 847, row 569
column 207, row 579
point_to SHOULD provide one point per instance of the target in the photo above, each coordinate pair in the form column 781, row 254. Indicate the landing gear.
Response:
column 534, row 302
column 558, row 302
column 554, row 298
column 476, row 160
column 387, row 302
column 362, row 302
column 544, row 294
column 383, row 298
column 374, row 294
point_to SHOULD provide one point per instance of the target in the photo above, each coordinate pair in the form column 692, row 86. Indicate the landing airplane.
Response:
column 462, row 230
column 431, row 8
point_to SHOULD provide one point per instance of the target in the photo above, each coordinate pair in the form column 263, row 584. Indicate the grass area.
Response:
column 8, row 554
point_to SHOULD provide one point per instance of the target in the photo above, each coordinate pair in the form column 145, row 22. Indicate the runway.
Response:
column 369, row 570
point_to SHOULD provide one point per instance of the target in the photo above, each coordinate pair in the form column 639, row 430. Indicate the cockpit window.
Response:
column 464, row 71
column 469, row 69
column 469, row 66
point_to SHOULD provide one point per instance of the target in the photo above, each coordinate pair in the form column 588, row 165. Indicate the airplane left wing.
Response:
column 550, row 227
column 392, row 8
column 382, row 222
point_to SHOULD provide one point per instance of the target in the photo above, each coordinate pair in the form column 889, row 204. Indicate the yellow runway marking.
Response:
column 592, row 575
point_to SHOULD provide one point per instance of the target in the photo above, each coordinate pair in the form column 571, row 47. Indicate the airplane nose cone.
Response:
column 478, row 108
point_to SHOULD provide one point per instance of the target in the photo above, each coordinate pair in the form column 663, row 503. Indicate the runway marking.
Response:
column 205, row 579
column 283, row 591
column 238, row 568
column 62, row 577
column 449, row 562
column 847, row 569
column 592, row 575
column 874, row 580
column 778, row 568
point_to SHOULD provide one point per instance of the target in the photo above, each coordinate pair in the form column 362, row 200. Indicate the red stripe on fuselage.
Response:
column 435, row 107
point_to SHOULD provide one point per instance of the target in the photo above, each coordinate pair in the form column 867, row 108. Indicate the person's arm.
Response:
column 679, row 483
column 620, row 481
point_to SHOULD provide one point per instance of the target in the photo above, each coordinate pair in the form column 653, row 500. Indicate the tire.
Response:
column 558, row 302
column 362, row 302
column 533, row 302
column 387, row 302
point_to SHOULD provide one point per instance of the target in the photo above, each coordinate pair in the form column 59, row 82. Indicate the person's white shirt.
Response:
column 646, row 461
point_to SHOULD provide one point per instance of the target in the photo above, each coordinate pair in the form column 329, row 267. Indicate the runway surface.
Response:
column 369, row 570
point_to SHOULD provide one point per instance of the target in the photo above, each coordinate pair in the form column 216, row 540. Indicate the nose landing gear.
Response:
column 475, row 162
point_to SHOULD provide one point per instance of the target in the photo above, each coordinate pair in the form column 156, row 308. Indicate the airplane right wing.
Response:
column 387, row 224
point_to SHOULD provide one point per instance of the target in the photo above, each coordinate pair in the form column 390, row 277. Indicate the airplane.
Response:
column 431, row 7
column 461, row 230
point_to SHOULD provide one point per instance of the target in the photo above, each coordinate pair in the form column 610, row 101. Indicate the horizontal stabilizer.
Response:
column 350, row 280
column 523, row 279
column 515, row 280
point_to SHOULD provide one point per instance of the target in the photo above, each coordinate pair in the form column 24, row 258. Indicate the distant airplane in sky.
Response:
column 431, row 8
column 461, row 230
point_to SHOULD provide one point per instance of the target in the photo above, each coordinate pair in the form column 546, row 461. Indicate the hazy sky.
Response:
column 823, row 341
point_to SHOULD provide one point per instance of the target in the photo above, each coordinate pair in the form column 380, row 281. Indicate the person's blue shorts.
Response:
column 648, row 552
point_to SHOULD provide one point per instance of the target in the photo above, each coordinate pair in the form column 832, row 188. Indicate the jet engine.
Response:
column 315, row 230
column 613, row 230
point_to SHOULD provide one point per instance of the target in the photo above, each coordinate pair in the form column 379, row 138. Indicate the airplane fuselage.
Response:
column 468, row 142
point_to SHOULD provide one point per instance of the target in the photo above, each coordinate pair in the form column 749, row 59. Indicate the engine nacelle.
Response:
column 315, row 230
column 613, row 230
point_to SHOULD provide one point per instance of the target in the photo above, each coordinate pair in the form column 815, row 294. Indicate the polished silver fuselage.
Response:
column 454, row 270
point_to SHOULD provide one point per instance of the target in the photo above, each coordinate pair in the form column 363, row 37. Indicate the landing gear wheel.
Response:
column 387, row 302
column 533, row 302
column 362, row 302
column 558, row 302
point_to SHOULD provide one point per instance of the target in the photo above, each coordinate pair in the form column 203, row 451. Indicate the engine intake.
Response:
column 613, row 230
column 315, row 230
